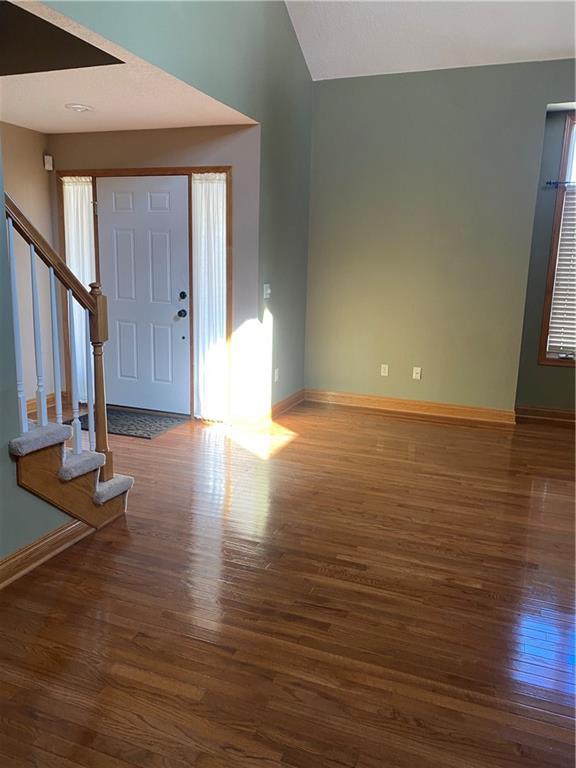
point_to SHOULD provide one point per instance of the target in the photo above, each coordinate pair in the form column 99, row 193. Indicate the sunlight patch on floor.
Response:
column 262, row 439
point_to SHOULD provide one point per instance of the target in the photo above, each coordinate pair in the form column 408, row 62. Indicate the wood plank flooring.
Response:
column 347, row 590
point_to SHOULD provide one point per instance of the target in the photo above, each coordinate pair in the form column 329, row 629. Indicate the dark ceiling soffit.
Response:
column 31, row 44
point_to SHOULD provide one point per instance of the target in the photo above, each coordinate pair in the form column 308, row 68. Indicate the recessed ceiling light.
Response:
column 79, row 107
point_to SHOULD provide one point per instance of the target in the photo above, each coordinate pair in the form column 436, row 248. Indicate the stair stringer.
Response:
column 38, row 472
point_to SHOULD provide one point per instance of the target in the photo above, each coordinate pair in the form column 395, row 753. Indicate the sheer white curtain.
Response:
column 209, row 285
column 79, row 238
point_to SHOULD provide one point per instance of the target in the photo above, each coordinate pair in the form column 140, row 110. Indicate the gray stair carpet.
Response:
column 39, row 437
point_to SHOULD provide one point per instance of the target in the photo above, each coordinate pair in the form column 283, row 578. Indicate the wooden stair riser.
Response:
column 38, row 473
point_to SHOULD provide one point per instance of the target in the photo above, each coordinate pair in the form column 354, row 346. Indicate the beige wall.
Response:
column 26, row 181
column 236, row 146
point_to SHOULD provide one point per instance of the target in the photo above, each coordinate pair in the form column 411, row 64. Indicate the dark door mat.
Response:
column 145, row 424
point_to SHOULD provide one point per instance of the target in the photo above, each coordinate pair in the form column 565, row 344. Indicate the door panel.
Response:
column 125, row 265
column 160, row 267
column 127, row 334
column 144, row 264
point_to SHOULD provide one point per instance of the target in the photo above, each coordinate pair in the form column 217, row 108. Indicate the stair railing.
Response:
column 95, row 314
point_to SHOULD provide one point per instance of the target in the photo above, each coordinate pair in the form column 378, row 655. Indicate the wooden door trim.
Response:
column 191, row 293
column 168, row 171
column 188, row 171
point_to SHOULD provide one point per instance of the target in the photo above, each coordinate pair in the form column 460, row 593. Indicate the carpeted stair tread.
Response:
column 76, row 464
column 111, row 488
column 38, row 438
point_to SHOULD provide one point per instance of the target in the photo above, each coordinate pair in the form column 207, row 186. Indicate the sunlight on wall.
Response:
column 248, row 424
column 251, row 370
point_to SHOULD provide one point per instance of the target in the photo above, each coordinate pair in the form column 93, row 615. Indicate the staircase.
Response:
column 52, row 461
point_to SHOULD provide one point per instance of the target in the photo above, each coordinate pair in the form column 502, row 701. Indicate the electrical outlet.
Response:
column 416, row 373
column 276, row 375
column 384, row 369
column 266, row 291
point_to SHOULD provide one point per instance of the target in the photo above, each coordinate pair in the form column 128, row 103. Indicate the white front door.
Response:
column 144, row 268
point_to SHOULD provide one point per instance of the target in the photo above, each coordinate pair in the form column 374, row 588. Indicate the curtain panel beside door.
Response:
column 79, row 239
column 209, row 293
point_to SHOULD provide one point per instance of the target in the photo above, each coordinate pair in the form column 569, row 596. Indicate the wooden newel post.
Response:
column 98, row 335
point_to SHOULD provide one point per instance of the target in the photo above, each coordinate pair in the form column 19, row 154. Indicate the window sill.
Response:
column 561, row 362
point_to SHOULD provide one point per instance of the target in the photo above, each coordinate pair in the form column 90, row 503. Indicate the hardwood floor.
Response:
column 377, row 593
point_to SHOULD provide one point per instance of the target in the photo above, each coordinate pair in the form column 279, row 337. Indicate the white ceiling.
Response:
column 353, row 38
column 129, row 96
column 347, row 38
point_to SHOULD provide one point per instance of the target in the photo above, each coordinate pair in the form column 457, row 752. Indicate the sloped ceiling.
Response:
column 126, row 96
column 353, row 38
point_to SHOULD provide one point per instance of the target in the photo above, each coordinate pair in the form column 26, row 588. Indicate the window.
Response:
column 558, row 341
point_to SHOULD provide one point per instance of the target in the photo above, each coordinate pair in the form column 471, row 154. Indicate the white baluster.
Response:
column 76, row 427
column 56, row 346
column 22, row 411
column 41, row 405
column 89, row 384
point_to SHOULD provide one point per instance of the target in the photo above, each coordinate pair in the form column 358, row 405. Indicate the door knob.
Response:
column 182, row 313
column 182, row 295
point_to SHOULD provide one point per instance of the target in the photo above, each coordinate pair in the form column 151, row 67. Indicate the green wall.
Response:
column 23, row 517
column 246, row 55
column 422, row 203
column 543, row 386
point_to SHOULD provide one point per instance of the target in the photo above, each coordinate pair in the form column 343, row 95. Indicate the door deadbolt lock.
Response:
column 182, row 295
column 182, row 313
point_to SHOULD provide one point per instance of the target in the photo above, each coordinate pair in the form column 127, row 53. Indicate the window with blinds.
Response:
column 560, row 305
column 562, row 324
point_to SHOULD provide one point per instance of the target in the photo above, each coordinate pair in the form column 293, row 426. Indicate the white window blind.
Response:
column 562, row 327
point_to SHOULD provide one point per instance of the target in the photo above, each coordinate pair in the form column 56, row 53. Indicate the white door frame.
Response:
column 166, row 171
